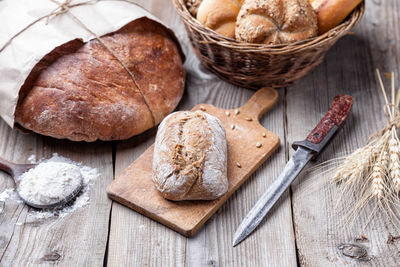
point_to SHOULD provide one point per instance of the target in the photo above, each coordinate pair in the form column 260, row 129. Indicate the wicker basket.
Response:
column 256, row 65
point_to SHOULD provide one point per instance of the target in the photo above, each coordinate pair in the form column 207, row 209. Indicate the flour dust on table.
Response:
column 51, row 181
column 9, row 193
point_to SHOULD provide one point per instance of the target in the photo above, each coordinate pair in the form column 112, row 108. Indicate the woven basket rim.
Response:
column 213, row 37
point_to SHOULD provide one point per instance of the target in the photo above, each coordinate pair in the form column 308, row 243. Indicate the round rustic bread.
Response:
column 276, row 21
column 81, row 92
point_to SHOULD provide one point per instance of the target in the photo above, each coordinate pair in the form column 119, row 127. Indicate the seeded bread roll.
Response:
column 276, row 21
column 331, row 13
column 219, row 15
column 190, row 157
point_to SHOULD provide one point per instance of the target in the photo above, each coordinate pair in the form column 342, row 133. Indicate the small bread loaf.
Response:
column 276, row 21
column 331, row 13
column 219, row 15
column 190, row 157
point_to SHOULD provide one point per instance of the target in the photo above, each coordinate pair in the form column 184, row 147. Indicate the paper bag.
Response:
column 21, row 55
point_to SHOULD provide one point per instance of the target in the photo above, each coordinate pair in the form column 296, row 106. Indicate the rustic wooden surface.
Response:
column 301, row 229
column 135, row 188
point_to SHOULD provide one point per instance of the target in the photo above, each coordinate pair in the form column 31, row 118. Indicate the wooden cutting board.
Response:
column 134, row 186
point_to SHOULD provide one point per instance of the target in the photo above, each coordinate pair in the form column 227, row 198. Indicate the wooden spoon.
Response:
column 16, row 170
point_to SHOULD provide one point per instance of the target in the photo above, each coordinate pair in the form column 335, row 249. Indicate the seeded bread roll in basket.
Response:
column 81, row 92
column 276, row 21
column 190, row 157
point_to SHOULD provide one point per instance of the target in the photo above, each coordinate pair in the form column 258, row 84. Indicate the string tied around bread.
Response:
column 65, row 8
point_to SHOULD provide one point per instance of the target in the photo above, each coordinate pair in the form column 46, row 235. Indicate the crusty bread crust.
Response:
column 276, row 21
column 331, row 13
column 81, row 92
column 219, row 15
column 190, row 157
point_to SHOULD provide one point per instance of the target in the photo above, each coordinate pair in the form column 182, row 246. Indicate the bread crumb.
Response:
column 227, row 113
column 264, row 135
column 202, row 108
column 258, row 145
column 237, row 111
column 238, row 165
column 388, row 75
column 233, row 126
column 248, row 119
column 363, row 238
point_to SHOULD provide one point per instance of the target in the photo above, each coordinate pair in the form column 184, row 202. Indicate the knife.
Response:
column 305, row 151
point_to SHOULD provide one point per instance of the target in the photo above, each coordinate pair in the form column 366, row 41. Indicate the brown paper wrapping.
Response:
column 19, row 57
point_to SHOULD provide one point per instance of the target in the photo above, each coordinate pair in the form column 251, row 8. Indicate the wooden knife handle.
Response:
column 336, row 115
column 328, row 126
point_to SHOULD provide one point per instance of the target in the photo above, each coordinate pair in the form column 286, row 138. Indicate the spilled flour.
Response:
column 52, row 180
column 9, row 193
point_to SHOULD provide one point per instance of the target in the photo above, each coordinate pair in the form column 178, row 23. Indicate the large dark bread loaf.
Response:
column 81, row 92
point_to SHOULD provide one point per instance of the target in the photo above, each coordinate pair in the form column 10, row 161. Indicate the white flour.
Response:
column 41, row 185
column 49, row 182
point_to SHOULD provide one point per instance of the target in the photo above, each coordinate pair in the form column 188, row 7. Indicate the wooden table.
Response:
column 301, row 229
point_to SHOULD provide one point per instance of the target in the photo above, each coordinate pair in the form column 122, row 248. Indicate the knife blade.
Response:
column 305, row 151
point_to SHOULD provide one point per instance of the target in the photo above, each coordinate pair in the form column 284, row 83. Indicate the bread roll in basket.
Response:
column 259, row 65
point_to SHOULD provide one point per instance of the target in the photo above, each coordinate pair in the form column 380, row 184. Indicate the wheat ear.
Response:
column 394, row 167
column 378, row 175
column 353, row 166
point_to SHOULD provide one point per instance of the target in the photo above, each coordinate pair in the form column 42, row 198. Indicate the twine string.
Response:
column 61, row 9
column 64, row 8
column 395, row 122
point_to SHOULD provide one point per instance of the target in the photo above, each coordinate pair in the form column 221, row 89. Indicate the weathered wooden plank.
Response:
column 348, row 68
column 135, row 240
column 152, row 244
column 76, row 240
column 273, row 242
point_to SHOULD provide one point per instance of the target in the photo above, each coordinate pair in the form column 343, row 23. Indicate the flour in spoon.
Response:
column 49, row 182
column 89, row 175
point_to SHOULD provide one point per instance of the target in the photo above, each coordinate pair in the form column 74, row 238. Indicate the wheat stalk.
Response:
column 394, row 167
column 358, row 164
column 378, row 174
column 371, row 174
column 345, row 172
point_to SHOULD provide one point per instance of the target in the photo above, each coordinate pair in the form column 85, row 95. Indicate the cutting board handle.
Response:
column 261, row 102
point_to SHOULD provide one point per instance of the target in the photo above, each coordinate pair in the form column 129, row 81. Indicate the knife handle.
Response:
column 330, row 123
